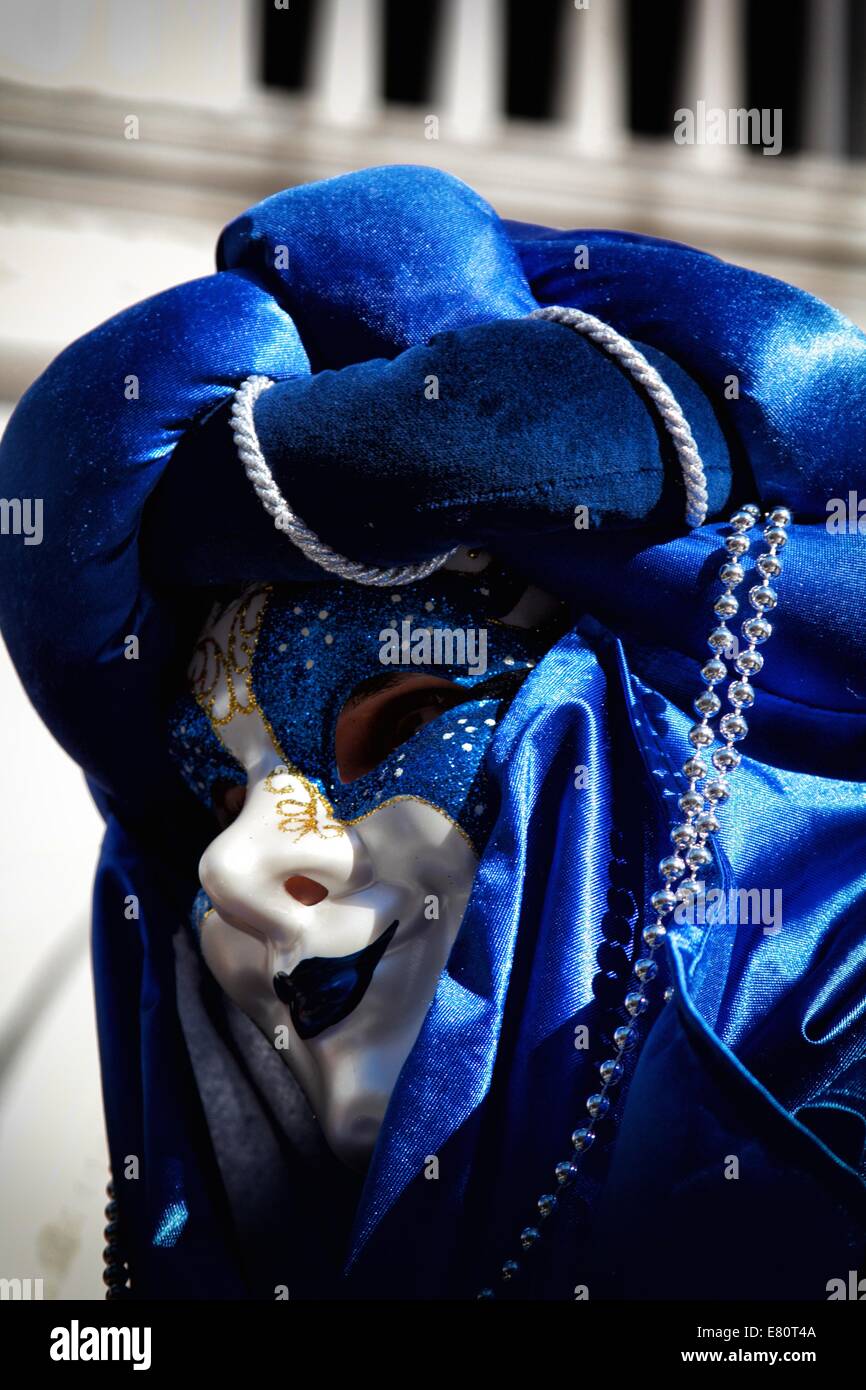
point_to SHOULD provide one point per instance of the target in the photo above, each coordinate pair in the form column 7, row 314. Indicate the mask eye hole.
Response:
column 385, row 711
column 227, row 800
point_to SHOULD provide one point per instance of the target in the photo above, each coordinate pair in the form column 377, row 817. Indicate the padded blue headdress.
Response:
column 352, row 294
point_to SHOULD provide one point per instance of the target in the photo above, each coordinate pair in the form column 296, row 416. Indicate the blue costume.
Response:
column 392, row 277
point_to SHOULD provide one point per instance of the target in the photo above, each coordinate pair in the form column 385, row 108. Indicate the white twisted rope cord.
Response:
column 646, row 375
column 275, row 504
column 607, row 338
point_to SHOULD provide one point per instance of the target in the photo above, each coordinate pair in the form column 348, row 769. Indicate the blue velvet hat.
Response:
column 353, row 296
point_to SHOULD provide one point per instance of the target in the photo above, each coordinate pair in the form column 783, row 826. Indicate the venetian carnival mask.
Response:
column 339, row 734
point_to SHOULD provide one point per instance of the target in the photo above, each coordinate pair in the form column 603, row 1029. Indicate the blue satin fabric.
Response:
column 793, row 1004
column 798, row 421
column 762, row 1055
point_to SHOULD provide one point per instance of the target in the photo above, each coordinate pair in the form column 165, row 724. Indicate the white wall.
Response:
column 53, row 1163
column 193, row 51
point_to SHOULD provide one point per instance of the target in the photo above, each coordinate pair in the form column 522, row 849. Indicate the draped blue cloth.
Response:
column 393, row 275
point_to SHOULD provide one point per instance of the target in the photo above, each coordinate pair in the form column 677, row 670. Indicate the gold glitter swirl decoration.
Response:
column 307, row 814
column 214, row 669
column 221, row 677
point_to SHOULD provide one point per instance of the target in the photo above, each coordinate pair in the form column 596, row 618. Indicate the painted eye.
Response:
column 227, row 800
column 384, row 712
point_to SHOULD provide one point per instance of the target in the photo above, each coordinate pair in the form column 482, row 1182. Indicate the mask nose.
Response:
column 259, row 877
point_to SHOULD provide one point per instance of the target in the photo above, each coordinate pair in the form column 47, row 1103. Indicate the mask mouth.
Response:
column 323, row 990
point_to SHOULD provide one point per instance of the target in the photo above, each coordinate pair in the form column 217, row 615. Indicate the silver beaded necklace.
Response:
column 705, row 793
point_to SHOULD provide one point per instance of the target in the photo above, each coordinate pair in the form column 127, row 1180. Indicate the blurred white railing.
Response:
column 589, row 70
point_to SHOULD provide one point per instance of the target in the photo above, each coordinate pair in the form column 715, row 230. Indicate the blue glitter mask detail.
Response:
column 318, row 643
column 170, row 1226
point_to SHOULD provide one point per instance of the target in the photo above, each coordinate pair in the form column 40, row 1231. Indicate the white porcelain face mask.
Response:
column 335, row 894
